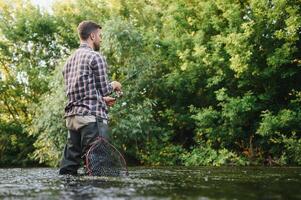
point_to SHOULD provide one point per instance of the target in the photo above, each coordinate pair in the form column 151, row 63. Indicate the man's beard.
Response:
column 96, row 47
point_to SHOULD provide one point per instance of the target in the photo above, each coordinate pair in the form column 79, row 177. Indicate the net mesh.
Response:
column 103, row 159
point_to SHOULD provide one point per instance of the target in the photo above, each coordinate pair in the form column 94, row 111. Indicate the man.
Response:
column 87, row 88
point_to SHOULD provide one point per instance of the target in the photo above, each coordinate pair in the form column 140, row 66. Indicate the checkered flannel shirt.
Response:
column 86, row 82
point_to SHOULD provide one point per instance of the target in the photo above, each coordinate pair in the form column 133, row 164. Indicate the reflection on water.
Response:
column 155, row 183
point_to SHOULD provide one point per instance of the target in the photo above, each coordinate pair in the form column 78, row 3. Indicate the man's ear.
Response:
column 92, row 36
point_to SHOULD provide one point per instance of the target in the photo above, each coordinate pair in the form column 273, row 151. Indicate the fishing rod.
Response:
column 119, row 94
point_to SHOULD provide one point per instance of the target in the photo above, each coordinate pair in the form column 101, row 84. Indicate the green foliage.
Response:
column 272, row 125
column 15, row 145
column 48, row 125
column 134, row 127
column 292, row 150
column 206, row 155
column 163, row 154
column 28, row 52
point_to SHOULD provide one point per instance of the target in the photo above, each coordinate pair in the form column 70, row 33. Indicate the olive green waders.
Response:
column 78, row 143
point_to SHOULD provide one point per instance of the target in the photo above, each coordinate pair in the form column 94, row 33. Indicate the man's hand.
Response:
column 116, row 85
column 110, row 101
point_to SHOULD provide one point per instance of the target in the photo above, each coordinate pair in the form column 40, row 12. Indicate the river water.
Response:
column 204, row 183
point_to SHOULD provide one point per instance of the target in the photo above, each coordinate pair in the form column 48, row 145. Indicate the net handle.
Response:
column 98, row 121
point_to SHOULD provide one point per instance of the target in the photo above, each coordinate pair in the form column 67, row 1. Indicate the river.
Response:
column 204, row 183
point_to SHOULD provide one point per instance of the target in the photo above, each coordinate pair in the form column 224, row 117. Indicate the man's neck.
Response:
column 87, row 43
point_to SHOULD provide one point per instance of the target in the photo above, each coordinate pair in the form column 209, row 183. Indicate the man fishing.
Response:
column 87, row 88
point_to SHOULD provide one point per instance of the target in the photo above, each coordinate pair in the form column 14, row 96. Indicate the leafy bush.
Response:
column 206, row 155
column 49, row 126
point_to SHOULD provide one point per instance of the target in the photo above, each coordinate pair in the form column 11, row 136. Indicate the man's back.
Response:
column 86, row 83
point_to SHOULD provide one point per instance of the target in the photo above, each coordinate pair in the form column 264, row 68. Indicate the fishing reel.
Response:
column 117, row 94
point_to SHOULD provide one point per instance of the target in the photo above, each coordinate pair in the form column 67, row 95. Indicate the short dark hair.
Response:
column 85, row 28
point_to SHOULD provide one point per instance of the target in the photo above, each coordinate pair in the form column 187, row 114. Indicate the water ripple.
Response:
column 155, row 183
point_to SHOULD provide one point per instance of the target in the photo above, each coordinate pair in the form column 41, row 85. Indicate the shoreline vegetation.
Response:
column 209, row 83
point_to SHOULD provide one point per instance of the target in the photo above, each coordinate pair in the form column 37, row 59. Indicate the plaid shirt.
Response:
column 86, row 82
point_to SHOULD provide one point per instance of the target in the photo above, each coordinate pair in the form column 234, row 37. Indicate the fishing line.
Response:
column 120, row 94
